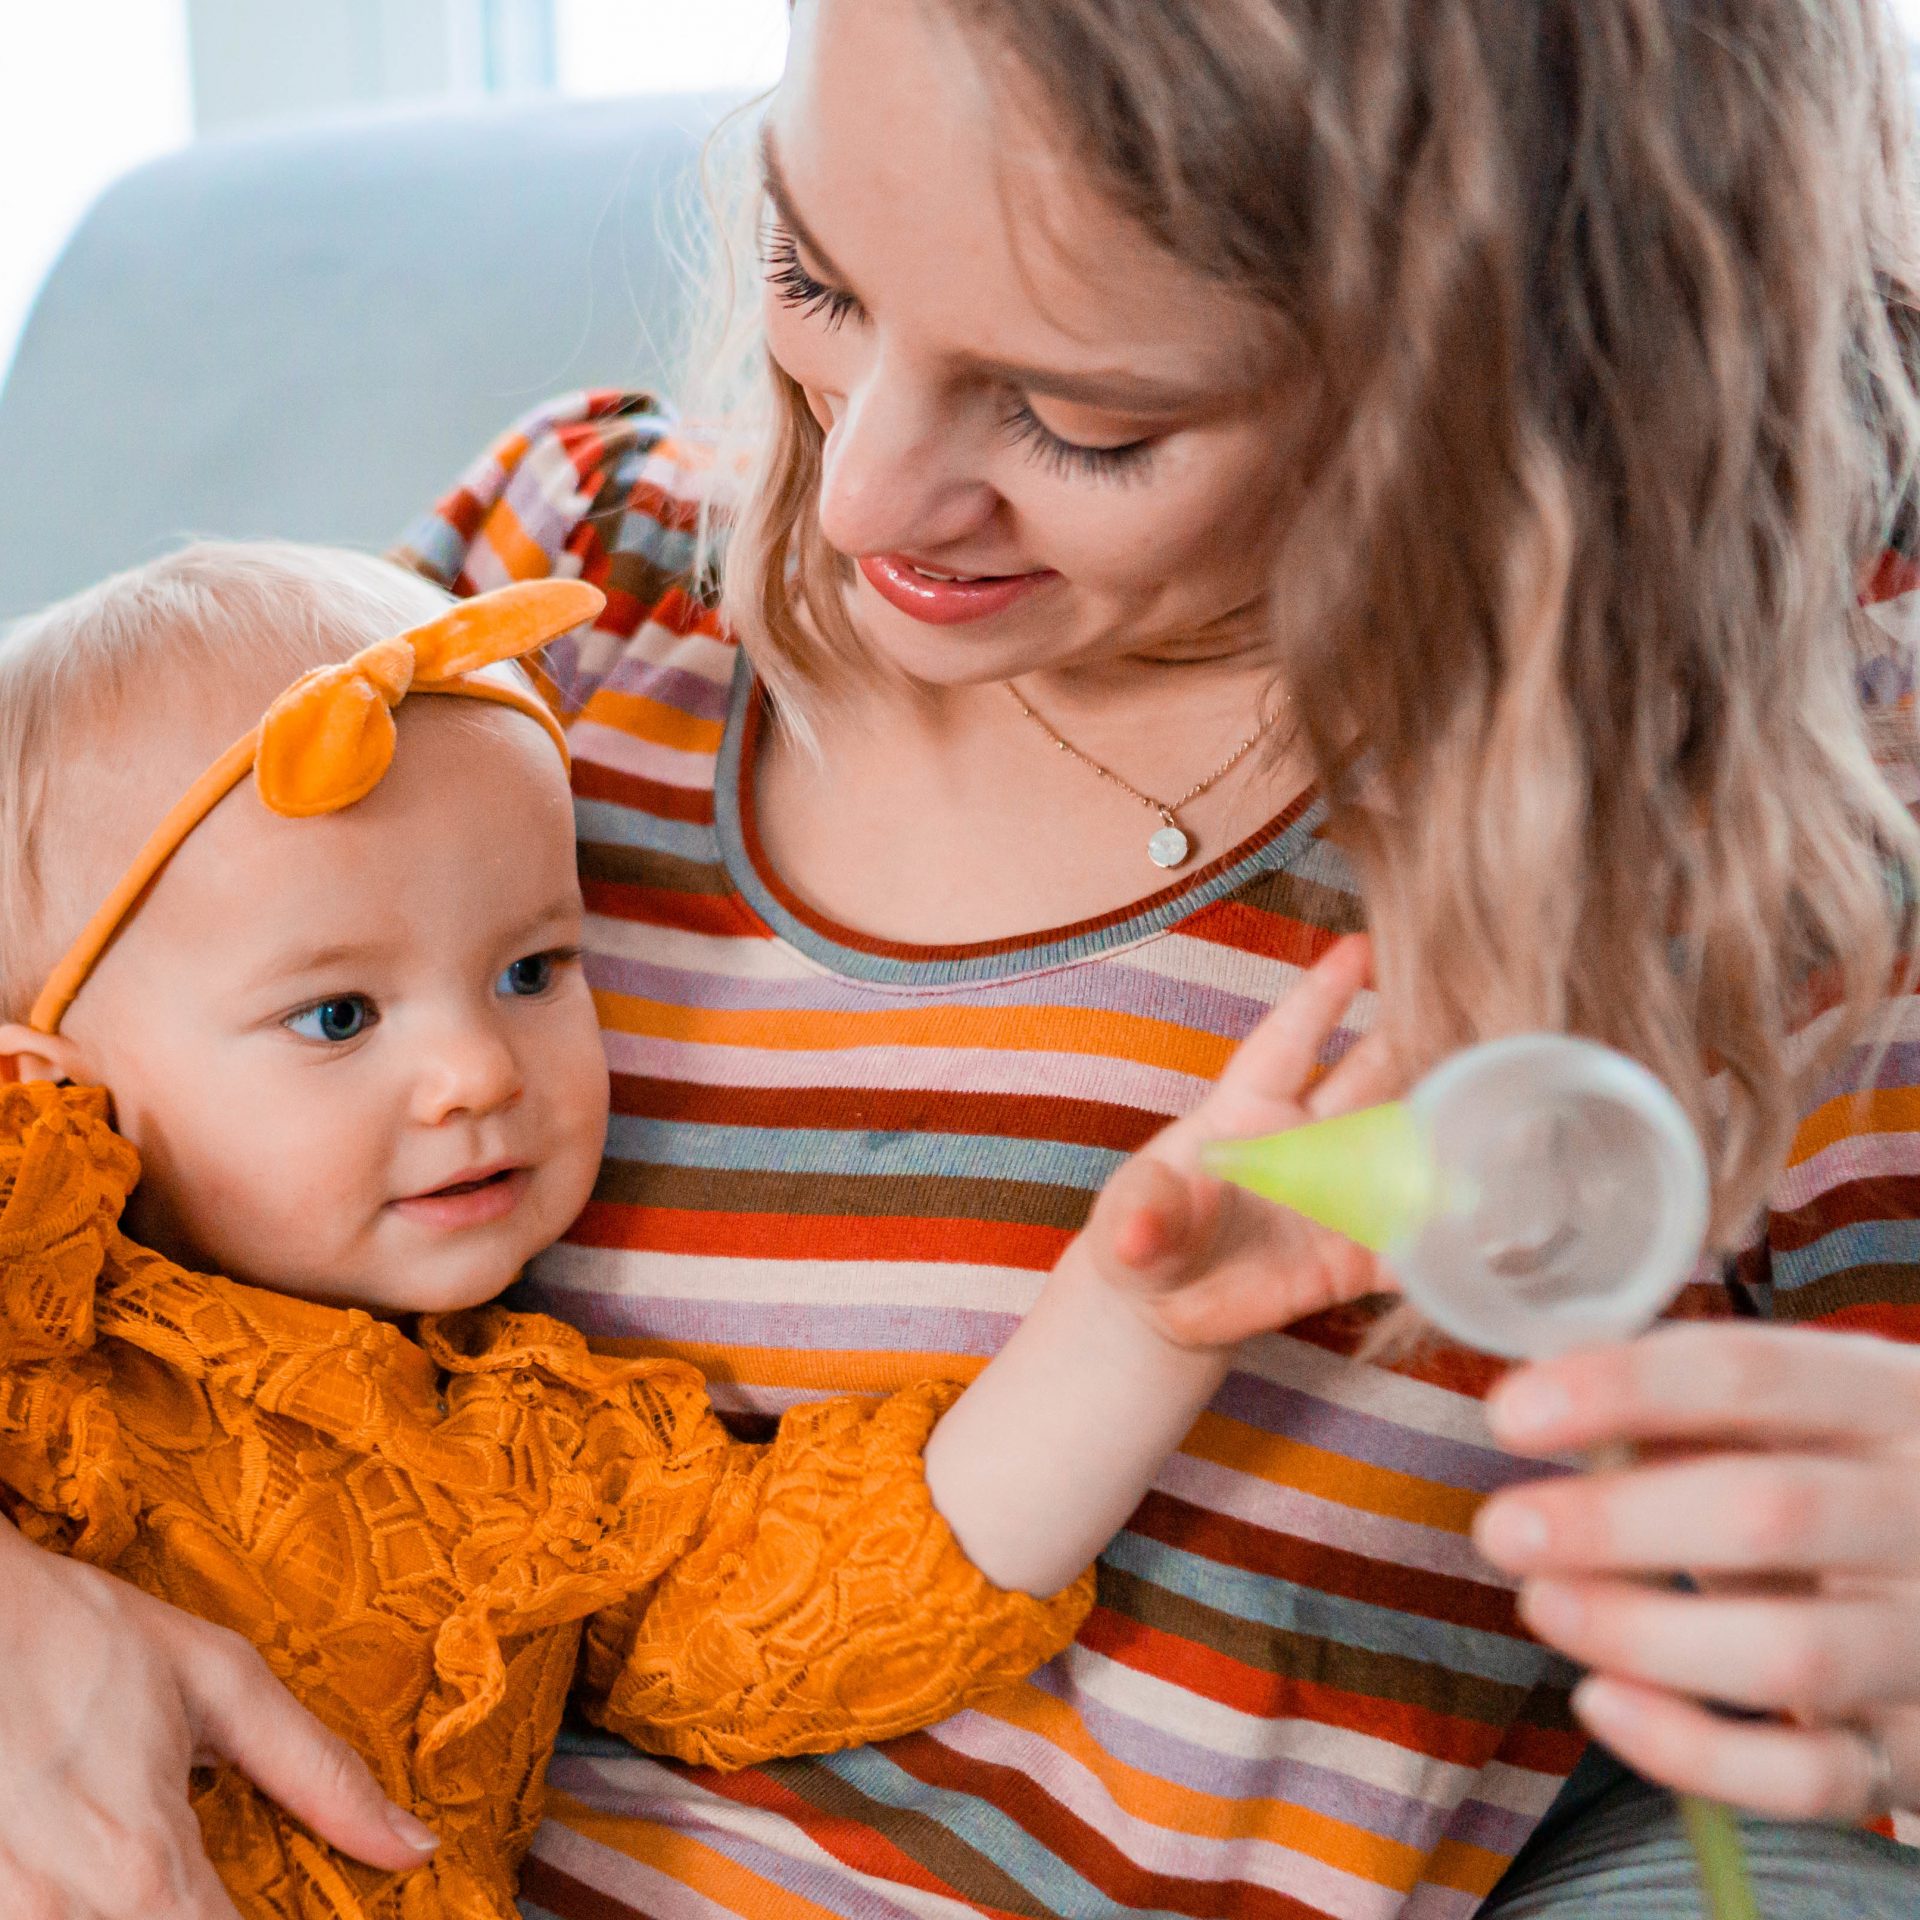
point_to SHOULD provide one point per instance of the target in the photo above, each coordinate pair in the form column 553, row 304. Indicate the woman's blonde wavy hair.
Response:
column 1609, row 304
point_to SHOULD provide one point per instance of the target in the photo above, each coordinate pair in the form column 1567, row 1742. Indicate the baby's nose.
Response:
column 469, row 1069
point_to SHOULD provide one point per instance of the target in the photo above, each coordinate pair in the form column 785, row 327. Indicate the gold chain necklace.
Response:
column 1170, row 844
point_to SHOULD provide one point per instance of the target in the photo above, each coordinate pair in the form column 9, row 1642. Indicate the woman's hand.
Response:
column 1783, row 1475
column 1207, row 1263
column 107, row 1697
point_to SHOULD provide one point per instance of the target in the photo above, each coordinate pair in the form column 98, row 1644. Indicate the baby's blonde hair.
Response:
column 218, row 625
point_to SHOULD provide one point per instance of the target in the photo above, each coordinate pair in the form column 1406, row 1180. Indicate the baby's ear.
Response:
column 27, row 1055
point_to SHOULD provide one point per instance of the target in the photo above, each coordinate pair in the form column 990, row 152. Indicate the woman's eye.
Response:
column 797, row 288
column 530, row 976
column 345, row 1017
column 1068, row 458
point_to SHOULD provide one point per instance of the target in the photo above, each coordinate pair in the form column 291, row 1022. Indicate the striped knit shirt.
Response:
column 841, row 1164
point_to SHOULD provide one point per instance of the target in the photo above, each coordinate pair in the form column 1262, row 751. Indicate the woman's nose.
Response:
column 894, row 475
column 466, row 1069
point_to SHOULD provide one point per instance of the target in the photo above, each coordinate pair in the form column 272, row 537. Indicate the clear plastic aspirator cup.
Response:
column 1531, row 1195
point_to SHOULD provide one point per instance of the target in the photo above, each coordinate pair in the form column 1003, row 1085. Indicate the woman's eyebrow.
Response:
column 782, row 197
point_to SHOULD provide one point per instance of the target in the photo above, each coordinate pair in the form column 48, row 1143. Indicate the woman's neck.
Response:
column 946, row 816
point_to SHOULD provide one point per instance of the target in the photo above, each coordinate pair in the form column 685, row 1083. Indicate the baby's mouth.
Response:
column 468, row 1186
column 488, row 1173
column 474, row 1199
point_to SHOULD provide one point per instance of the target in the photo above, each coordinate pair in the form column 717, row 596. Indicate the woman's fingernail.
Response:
column 1601, row 1708
column 1527, row 1409
column 416, row 1833
column 1511, row 1533
column 1554, row 1612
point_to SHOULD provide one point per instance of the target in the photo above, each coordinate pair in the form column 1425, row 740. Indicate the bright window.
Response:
column 657, row 46
column 88, row 88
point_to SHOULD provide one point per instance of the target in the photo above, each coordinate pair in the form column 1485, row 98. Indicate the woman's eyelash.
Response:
column 1068, row 458
column 797, row 288
column 812, row 299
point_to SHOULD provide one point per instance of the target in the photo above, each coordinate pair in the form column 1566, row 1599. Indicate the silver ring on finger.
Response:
column 1882, row 1788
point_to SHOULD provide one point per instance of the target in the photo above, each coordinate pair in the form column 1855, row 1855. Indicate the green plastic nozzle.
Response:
column 1367, row 1174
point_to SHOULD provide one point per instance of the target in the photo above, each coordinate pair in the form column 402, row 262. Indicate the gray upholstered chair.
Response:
column 308, row 333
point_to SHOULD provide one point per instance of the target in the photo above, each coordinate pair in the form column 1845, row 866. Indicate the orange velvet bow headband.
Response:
column 328, row 740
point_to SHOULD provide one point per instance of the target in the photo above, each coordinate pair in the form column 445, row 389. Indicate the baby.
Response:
column 298, row 1000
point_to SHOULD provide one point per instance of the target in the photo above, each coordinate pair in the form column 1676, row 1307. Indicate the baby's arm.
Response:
column 814, row 1598
column 873, row 1569
column 1042, row 1460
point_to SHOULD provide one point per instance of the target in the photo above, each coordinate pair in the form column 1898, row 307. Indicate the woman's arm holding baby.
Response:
column 107, row 1698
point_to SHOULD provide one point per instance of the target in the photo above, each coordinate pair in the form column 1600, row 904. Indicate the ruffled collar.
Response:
column 75, row 1278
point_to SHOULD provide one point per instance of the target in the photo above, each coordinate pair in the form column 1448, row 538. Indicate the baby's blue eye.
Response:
column 528, row 976
column 346, row 1017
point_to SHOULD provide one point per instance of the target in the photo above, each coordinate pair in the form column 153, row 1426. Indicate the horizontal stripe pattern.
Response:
column 836, row 1165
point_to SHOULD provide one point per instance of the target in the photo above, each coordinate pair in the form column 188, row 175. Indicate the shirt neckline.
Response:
column 872, row 961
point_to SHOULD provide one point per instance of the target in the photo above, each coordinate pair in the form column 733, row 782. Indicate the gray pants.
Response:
column 1611, row 1848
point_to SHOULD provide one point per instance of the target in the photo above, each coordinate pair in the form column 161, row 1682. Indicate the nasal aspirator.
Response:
column 1531, row 1195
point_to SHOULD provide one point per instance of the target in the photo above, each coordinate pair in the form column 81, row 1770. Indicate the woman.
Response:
column 1197, row 432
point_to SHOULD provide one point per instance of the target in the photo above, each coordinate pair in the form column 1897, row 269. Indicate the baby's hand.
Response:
column 1205, row 1263
column 1041, row 1460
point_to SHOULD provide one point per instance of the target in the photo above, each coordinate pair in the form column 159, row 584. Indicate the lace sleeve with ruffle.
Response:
column 821, row 1602
column 753, row 1601
column 64, row 1176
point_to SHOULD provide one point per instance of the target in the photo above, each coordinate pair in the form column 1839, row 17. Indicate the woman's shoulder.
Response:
column 607, row 487
column 575, row 479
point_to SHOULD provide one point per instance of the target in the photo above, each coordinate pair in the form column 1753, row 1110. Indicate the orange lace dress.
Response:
column 416, row 1531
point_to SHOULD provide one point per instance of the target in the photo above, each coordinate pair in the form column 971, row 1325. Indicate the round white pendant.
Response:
column 1168, row 847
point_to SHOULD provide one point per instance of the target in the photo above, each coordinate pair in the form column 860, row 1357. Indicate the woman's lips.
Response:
column 945, row 603
column 474, row 1203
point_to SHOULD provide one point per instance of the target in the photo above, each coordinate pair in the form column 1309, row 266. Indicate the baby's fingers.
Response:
column 1151, row 1226
column 1262, row 1287
column 1277, row 1059
column 1366, row 1074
